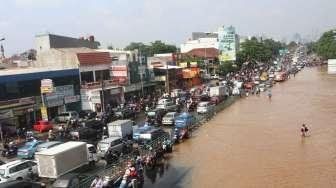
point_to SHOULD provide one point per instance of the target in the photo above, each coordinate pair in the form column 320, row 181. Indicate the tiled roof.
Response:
column 93, row 58
column 204, row 52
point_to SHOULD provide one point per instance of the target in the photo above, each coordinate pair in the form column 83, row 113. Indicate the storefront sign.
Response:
column 54, row 100
column 183, row 64
column 47, row 86
column 44, row 113
column 6, row 114
column 71, row 99
column 95, row 97
column 119, row 70
column 66, row 90
column 193, row 64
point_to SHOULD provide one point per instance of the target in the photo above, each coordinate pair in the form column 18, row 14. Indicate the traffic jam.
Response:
column 117, row 147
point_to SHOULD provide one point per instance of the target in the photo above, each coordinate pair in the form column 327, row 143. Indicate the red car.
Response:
column 43, row 126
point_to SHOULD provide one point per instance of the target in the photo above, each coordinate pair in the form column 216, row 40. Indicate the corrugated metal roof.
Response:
column 94, row 58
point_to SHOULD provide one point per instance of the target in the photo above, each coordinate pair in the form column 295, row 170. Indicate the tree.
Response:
column 155, row 47
column 326, row 45
column 110, row 47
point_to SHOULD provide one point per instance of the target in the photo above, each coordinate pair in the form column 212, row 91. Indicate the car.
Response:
column 155, row 116
column 47, row 145
column 152, row 134
column 182, row 127
column 87, row 114
column 66, row 116
column 22, row 184
column 214, row 76
column 69, row 180
column 17, row 170
column 168, row 106
column 115, row 143
column 138, row 131
column 204, row 107
column 169, row 118
column 28, row 150
column 42, row 126
column 125, row 113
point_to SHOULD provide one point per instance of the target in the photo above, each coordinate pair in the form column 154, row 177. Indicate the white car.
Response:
column 169, row 118
column 17, row 170
column 204, row 107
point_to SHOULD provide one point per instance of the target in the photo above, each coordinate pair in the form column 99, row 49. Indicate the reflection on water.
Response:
column 257, row 142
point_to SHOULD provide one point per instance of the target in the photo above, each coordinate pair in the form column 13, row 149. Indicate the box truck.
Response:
column 120, row 128
column 59, row 160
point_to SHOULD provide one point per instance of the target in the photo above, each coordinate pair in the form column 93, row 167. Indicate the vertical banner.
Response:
column 44, row 113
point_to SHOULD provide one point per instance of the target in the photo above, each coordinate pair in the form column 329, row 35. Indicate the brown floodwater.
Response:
column 256, row 142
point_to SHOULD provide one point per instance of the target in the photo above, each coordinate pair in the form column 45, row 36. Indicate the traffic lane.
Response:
column 167, row 174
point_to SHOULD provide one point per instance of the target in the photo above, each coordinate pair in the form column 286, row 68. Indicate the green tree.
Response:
column 110, row 47
column 155, row 47
column 326, row 45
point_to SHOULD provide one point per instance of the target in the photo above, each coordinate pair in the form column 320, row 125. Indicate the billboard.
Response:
column 331, row 66
column 119, row 70
column 227, row 44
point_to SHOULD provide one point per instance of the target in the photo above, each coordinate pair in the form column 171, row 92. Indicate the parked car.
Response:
column 204, row 107
column 28, row 150
column 47, row 145
column 17, row 170
column 66, row 116
column 115, row 143
column 140, row 130
column 43, row 126
column 169, row 118
column 22, row 184
column 152, row 134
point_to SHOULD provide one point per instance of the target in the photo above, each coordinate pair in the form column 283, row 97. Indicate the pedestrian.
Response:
column 97, row 182
column 304, row 130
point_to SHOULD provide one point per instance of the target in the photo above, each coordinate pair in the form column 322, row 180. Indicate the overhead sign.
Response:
column 44, row 113
column 47, row 89
column 66, row 90
column 71, row 99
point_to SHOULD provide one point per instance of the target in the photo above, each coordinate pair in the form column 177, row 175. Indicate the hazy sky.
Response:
column 119, row 22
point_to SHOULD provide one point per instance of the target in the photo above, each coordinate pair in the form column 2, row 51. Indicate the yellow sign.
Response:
column 44, row 113
column 183, row 64
column 46, row 89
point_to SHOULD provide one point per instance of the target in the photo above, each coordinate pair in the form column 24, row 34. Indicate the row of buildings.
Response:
column 86, row 77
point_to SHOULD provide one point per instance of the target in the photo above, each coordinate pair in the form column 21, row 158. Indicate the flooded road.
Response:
column 257, row 142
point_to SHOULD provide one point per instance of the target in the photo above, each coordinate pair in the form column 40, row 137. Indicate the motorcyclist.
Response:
column 51, row 135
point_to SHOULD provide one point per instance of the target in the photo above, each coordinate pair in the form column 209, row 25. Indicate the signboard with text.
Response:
column 227, row 44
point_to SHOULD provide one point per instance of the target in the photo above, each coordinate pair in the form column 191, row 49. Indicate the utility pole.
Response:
column 167, row 77
column 141, row 73
column 103, row 93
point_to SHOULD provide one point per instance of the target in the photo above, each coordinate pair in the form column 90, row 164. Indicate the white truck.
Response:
column 64, row 158
column 120, row 128
column 218, row 91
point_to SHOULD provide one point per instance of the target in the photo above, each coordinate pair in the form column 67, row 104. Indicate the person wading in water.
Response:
column 304, row 130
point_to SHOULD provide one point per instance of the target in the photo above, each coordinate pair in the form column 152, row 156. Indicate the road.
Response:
column 257, row 143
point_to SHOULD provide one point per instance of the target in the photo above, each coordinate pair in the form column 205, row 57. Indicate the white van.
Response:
column 17, row 170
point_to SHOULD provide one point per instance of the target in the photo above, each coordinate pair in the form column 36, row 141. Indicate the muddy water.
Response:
column 257, row 143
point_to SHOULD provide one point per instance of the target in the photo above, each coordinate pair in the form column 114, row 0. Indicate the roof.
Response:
column 6, row 165
column 61, row 148
column 204, row 52
column 94, row 58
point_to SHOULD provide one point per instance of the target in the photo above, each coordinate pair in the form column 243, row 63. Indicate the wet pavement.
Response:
column 256, row 142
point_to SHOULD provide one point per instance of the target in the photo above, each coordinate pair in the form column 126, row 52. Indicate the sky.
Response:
column 119, row 22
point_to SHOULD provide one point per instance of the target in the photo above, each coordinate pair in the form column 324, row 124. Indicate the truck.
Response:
column 64, row 158
column 120, row 128
column 218, row 91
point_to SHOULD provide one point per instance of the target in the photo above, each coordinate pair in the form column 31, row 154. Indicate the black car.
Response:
column 87, row 114
column 155, row 116
column 21, row 184
column 125, row 113
column 89, row 130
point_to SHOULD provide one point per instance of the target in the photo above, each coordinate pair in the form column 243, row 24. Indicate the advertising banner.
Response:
column 227, row 44
column 47, row 86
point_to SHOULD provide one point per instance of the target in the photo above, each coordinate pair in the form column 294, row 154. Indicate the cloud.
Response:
column 28, row 4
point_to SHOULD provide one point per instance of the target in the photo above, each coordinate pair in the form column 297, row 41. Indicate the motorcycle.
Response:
column 9, row 151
